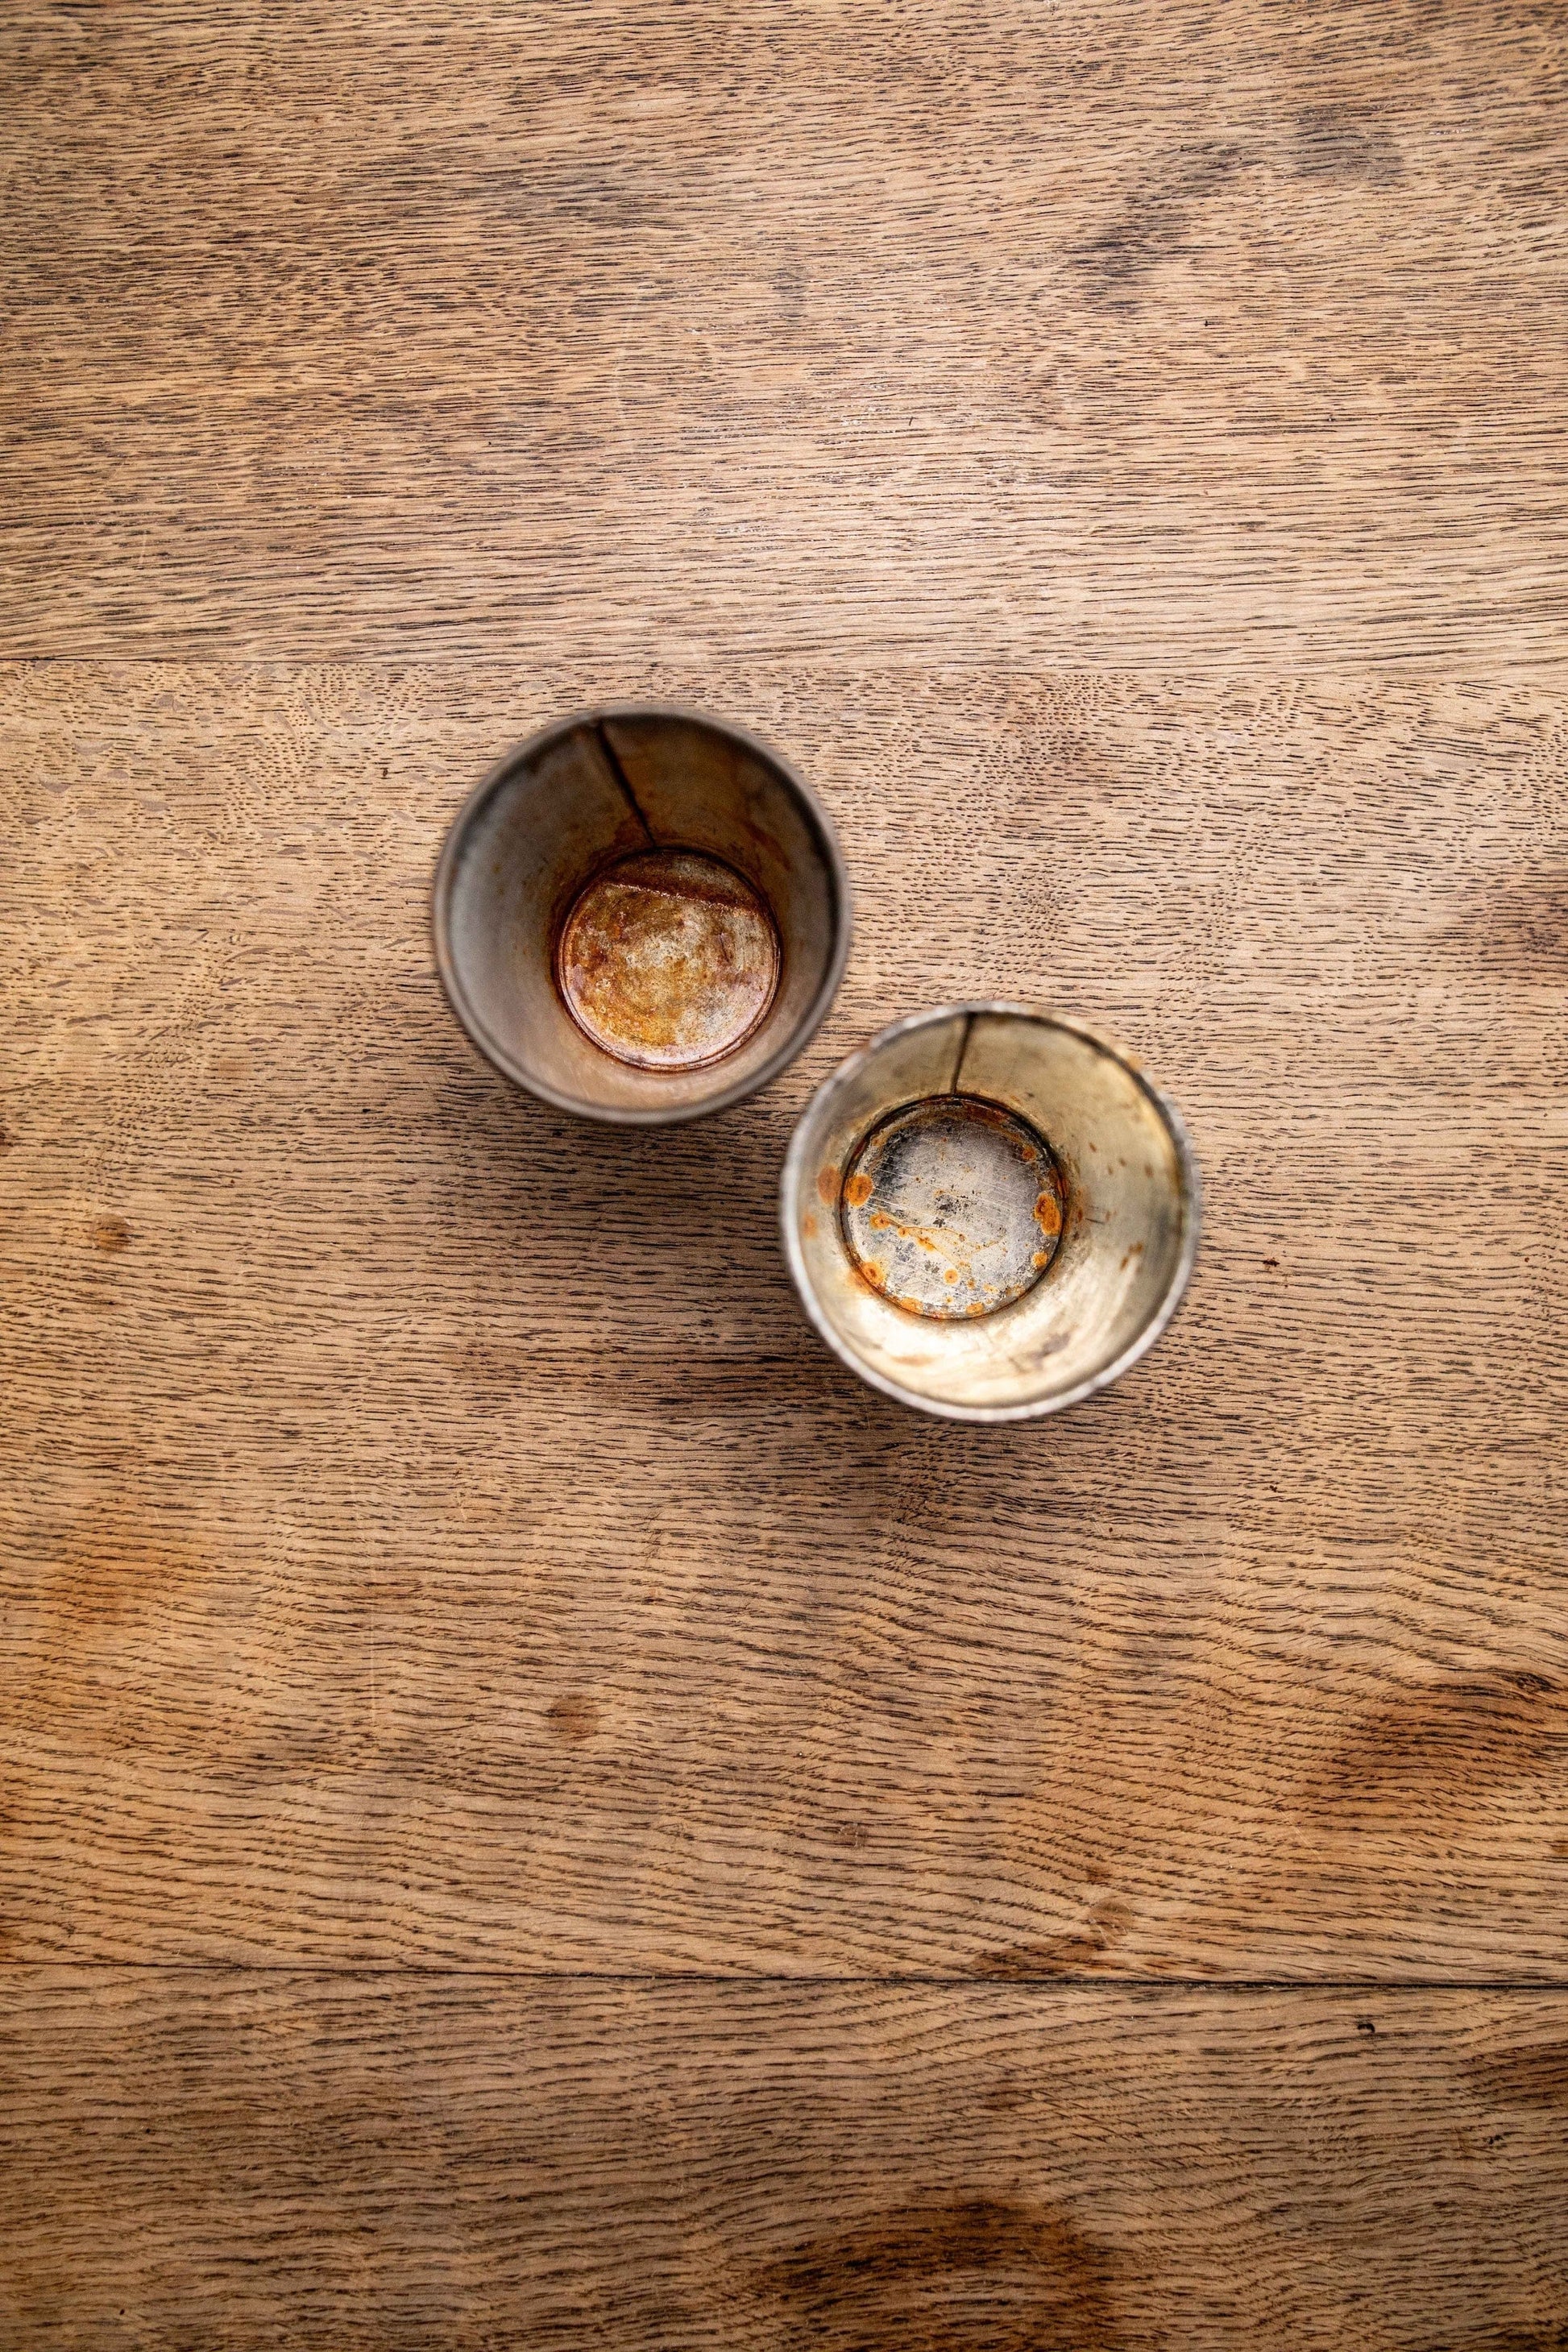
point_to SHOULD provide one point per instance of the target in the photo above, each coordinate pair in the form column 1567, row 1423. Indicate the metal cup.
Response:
column 990, row 1212
column 641, row 915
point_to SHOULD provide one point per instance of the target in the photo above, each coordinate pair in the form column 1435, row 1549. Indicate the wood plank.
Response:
column 433, row 1534
column 240, row 2160
column 1141, row 334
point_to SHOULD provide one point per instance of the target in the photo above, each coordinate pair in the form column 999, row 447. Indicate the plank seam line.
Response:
column 412, row 1972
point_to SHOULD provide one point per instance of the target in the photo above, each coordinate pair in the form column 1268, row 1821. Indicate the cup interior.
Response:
column 989, row 1212
column 641, row 915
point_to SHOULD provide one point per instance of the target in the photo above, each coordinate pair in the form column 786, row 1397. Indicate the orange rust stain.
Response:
column 111, row 1233
column 668, row 960
column 1049, row 1214
column 951, row 1274
column 808, row 1225
column 857, row 1190
column 1041, row 1257
column 827, row 1186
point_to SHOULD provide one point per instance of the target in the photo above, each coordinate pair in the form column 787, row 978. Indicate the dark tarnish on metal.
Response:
column 951, row 1207
column 667, row 959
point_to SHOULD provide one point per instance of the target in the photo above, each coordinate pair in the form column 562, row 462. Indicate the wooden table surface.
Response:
column 536, row 1811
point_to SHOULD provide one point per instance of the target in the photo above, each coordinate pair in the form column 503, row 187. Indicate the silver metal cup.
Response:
column 989, row 1212
column 641, row 915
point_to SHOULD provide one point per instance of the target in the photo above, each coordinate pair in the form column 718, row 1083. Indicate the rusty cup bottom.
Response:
column 667, row 959
column 951, row 1207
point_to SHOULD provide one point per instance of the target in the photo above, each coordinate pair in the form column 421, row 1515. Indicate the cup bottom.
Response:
column 951, row 1207
column 667, row 959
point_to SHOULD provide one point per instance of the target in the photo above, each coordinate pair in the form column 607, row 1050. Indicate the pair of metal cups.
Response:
column 642, row 915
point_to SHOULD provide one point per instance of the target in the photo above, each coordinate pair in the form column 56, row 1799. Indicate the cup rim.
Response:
column 492, row 1047
column 1190, row 1185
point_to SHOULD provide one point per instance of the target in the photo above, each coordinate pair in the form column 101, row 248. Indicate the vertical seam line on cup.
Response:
column 962, row 1050
column 613, row 761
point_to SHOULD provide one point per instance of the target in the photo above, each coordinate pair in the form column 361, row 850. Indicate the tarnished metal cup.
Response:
column 641, row 915
column 989, row 1212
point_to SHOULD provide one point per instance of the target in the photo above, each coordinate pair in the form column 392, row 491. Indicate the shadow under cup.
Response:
column 641, row 915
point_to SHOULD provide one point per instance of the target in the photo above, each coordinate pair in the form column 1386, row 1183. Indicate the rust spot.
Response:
column 111, row 1233
column 939, row 1189
column 1041, row 1257
column 574, row 1718
column 668, row 960
column 808, row 1227
column 828, row 1187
column 1534, row 2077
column 979, row 2275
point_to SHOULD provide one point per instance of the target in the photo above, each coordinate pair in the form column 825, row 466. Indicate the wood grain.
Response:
column 236, row 2161
column 1132, row 335
column 437, row 1536
column 1117, row 448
